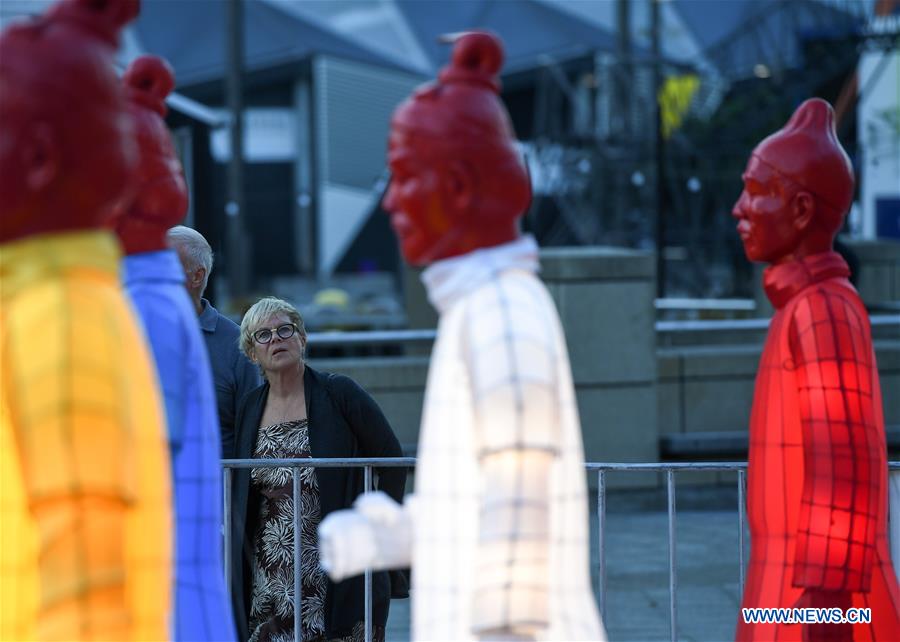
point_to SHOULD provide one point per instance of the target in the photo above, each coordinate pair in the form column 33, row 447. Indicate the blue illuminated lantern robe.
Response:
column 155, row 281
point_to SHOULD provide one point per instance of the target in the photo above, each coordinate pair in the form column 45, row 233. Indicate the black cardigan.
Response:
column 344, row 421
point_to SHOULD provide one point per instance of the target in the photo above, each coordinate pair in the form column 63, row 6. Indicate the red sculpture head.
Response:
column 458, row 182
column 798, row 186
column 161, row 200
column 66, row 147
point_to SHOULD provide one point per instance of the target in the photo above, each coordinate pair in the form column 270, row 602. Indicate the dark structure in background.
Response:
column 780, row 55
column 767, row 56
column 584, row 99
column 316, row 112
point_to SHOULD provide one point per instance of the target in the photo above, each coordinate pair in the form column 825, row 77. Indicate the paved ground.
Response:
column 708, row 574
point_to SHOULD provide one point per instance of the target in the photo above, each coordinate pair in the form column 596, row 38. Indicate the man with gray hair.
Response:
column 233, row 374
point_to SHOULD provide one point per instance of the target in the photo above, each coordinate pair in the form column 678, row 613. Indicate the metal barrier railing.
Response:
column 367, row 464
column 380, row 337
column 685, row 304
column 731, row 325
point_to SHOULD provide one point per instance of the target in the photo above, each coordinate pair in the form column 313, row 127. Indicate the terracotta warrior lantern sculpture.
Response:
column 818, row 491
column 497, row 530
column 85, row 491
column 155, row 281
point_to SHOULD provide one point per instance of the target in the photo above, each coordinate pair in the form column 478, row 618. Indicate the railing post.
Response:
column 673, row 580
column 742, row 485
column 226, row 483
column 298, row 580
column 601, row 539
column 367, row 487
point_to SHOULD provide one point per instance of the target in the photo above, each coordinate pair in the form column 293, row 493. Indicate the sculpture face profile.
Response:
column 66, row 147
column 798, row 186
column 767, row 232
column 418, row 211
column 161, row 198
column 458, row 181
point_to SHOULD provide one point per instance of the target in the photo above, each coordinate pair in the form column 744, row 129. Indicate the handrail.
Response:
column 406, row 462
column 689, row 304
column 375, row 337
column 321, row 462
column 369, row 337
column 707, row 325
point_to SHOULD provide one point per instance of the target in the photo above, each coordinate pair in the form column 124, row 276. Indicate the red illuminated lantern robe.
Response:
column 817, row 496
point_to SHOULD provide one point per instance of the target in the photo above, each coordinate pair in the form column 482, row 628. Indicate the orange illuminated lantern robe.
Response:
column 85, row 490
column 817, row 496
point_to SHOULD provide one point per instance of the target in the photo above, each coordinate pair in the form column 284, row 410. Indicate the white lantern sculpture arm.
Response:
column 376, row 533
column 512, row 364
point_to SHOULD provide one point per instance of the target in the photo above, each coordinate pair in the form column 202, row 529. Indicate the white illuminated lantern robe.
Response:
column 493, row 546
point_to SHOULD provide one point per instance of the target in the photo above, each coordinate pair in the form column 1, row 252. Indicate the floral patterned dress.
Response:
column 272, row 602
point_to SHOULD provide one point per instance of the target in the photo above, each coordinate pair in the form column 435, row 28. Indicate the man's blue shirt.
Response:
column 233, row 374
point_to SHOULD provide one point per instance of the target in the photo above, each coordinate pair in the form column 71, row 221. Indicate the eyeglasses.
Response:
column 264, row 335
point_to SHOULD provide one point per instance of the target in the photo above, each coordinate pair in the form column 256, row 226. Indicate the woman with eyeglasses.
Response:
column 300, row 412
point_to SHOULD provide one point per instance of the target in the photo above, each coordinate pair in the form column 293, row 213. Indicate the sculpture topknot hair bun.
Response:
column 476, row 60
column 814, row 116
column 148, row 80
column 105, row 18
column 807, row 151
column 118, row 12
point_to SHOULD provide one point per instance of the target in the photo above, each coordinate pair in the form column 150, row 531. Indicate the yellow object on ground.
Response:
column 85, row 497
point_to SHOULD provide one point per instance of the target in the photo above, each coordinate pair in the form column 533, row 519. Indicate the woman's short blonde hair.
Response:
column 262, row 310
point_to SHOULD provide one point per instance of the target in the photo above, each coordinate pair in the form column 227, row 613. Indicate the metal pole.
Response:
column 226, row 482
column 234, row 207
column 601, row 538
column 623, row 114
column 367, row 486
column 298, row 582
column 304, row 185
column 623, row 78
column 656, row 32
column 742, row 481
column 673, row 580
